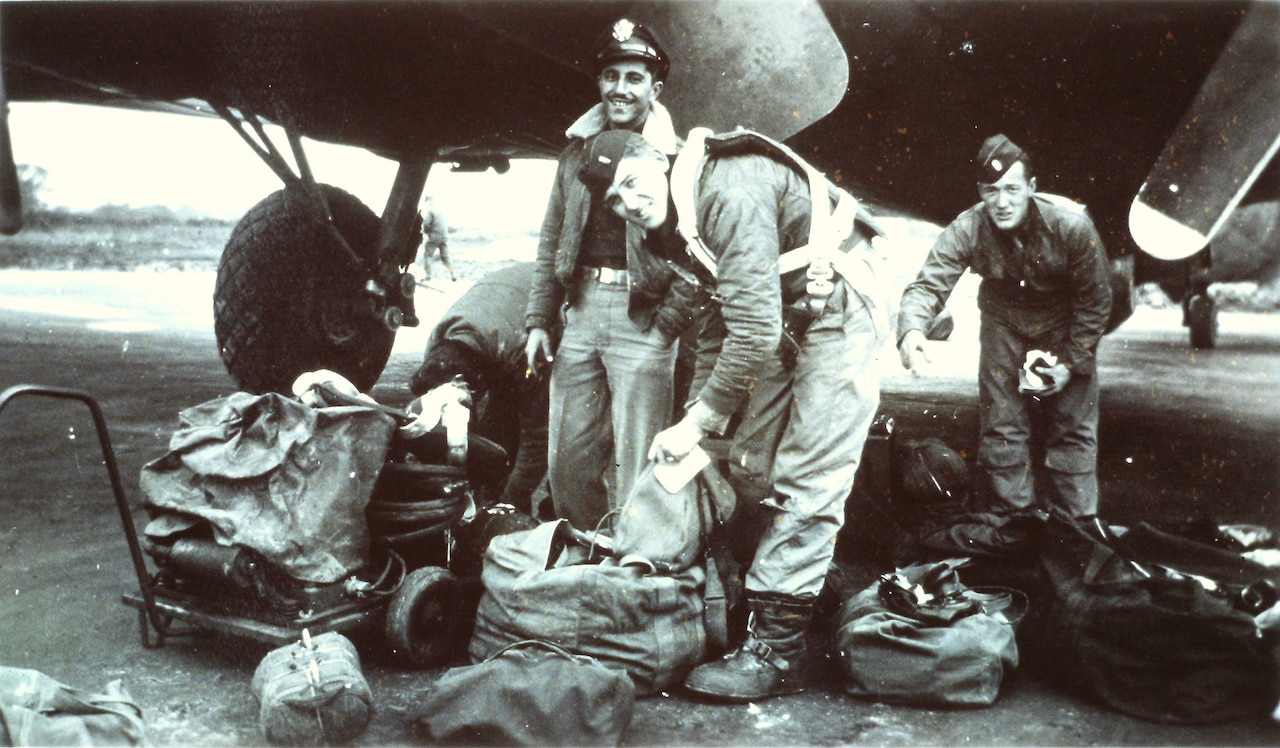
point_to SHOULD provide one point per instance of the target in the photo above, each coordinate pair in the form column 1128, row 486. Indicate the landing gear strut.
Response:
column 1199, row 311
column 311, row 278
column 1200, row 316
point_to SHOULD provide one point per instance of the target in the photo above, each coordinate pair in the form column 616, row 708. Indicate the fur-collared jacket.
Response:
column 658, row 296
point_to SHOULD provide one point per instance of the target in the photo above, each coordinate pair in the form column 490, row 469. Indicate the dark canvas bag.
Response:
column 530, row 693
column 38, row 710
column 672, row 528
column 538, row 585
column 1144, row 641
column 920, row 637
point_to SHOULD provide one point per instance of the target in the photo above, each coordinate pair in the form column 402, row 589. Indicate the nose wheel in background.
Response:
column 1200, row 316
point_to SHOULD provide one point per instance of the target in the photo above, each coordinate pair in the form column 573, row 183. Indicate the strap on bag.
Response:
column 540, row 644
column 716, row 500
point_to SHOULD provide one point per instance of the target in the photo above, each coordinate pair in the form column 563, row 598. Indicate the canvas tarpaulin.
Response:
column 272, row 474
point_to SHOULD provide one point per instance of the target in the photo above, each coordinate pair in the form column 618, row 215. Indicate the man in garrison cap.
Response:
column 611, row 375
column 1044, row 301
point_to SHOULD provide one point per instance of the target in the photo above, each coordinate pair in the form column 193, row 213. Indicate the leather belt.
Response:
column 609, row 276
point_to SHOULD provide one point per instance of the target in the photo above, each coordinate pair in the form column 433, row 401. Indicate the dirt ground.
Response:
column 1183, row 432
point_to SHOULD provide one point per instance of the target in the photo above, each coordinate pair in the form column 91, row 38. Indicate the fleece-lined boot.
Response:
column 768, row 662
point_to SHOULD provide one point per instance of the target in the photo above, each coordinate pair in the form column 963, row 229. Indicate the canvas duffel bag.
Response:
column 920, row 637
column 530, row 693
column 1119, row 620
column 540, row 585
column 38, row 710
column 269, row 473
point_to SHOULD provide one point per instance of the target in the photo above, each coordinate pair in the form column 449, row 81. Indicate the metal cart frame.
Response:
column 165, row 613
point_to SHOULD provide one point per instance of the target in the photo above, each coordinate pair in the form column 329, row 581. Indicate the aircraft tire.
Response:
column 289, row 300
column 428, row 620
column 1202, row 321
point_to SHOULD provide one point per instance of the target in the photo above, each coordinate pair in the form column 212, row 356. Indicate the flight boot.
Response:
column 768, row 662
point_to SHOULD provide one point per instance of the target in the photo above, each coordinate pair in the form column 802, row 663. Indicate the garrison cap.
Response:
column 631, row 41
column 603, row 152
column 997, row 154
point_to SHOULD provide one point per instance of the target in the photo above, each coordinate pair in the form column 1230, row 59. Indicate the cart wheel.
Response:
column 425, row 625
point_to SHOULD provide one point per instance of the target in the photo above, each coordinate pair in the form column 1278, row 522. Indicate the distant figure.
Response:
column 435, row 237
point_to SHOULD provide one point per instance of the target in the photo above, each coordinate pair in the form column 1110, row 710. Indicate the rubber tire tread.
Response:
column 1202, row 322
column 424, row 626
column 283, row 279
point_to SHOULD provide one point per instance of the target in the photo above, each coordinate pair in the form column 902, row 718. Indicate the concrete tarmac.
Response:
column 1183, row 432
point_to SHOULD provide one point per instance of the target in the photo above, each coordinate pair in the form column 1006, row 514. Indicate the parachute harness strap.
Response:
column 824, row 262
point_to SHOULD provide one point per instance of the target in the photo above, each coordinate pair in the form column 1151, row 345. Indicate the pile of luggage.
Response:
column 565, row 628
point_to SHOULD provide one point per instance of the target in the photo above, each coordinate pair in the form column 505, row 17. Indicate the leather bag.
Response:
column 530, row 693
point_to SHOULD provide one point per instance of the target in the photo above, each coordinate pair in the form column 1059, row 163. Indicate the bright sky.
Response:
column 97, row 155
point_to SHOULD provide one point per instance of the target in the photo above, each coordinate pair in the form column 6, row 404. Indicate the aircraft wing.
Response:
column 487, row 78
column 1224, row 143
column 1107, row 96
column 892, row 99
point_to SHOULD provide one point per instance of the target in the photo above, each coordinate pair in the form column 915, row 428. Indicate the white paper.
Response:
column 674, row 476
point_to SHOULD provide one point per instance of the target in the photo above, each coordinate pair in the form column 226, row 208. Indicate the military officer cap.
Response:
column 997, row 154
column 603, row 152
column 631, row 41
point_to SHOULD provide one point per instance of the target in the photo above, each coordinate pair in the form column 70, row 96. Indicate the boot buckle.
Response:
column 765, row 653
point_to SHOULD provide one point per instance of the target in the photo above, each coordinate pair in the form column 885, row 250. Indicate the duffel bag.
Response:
column 269, row 473
column 920, row 637
column 538, row 585
column 38, row 710
column 530, row 693
column 1144, row 637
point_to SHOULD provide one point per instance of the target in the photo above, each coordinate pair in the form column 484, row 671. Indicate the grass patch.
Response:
column 102, row 246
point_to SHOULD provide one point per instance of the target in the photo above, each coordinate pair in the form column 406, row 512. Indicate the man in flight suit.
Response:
column 801, row 411
column 435, row 238
column 1044, row 288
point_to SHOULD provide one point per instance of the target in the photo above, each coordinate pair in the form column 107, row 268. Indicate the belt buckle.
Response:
column 611, row 276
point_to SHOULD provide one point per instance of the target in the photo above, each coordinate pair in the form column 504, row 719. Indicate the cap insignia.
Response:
column 623, row 29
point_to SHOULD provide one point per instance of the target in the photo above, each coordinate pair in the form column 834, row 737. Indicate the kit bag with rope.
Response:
column 1152, row 625
column 312, row 692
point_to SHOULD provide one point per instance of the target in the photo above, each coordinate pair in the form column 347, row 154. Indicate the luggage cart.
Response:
column 169, row 610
